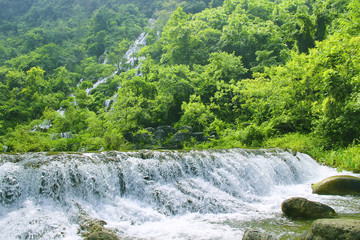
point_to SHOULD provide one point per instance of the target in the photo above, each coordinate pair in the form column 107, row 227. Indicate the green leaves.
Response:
column 196, row 114
column 250, row 66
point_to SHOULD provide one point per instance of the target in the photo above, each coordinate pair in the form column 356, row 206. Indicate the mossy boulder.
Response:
column 334, row 229
column 101, row 235
column 92, row 228
column 338, row 185
column 256, row 235
column 302, row 208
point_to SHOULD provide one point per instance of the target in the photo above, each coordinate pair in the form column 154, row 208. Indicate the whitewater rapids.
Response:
column 199, row 194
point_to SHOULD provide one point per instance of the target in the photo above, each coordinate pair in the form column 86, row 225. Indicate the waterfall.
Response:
column 107, row 103
column 209, row 194
column 61, row 111
column 130, row 57
column 44, row 126
column 105, row 57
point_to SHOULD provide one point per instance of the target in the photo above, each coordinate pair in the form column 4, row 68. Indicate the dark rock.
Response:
column 128, row 136
column 181, row 137
column 159, row 135
column 199, row 136
column 302, row 208
column 338, row 185
column 256, row 235
column 167, row 130
column 334, row 229
column 143, row 138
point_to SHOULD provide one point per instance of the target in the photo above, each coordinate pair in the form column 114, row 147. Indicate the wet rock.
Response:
column 256, row 235
column 334, row 229
column 10, row 190
column 338, row 185
column 92, row 228
column 302, row 208
column 101, row 235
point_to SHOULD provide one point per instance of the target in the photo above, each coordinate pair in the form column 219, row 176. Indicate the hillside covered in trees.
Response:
column 253, row 73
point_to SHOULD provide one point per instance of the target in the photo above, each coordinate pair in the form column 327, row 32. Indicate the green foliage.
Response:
column 294, row 141
column 256, row 72
column 196, row 114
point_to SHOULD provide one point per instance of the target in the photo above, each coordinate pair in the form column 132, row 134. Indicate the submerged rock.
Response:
column 335, row 229
column 302, row 208
column 256, row 235
column 338, row 185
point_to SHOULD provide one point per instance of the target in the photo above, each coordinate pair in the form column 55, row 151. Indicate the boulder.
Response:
column 334, row 229
column 338, row 185
column 143, row 138
column 101, row 235
column 199, row 136
column 92, row 228
column 159, row 135
column 181, row 137
column 167, row 130
column 302, row 208
column 256, row 235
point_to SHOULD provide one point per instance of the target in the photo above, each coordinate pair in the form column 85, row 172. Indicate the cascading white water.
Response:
column 61, row 111
column 209, row 194
column 129, row 57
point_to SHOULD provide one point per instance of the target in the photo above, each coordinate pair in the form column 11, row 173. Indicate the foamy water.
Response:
column 208, row 194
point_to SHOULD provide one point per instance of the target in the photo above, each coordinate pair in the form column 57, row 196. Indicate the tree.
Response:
column 35, row 79
column 196, row 114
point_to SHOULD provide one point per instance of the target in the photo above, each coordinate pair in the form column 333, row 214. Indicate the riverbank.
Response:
column 342, row 158
column 345, row 158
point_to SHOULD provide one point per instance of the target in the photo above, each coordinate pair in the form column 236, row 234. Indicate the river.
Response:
column 198, row 194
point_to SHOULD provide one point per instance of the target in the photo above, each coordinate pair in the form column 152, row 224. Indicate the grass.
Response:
column 342, row 158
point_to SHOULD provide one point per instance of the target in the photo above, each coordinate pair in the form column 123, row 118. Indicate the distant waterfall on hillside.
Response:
column 129, row 60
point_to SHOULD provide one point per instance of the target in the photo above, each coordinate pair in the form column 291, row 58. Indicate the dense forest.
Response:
column 244, row 73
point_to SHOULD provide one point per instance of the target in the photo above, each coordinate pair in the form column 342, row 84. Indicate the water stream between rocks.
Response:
column 198, row 194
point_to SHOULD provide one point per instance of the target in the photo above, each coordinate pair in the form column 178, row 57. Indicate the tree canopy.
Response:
column 247, row 70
